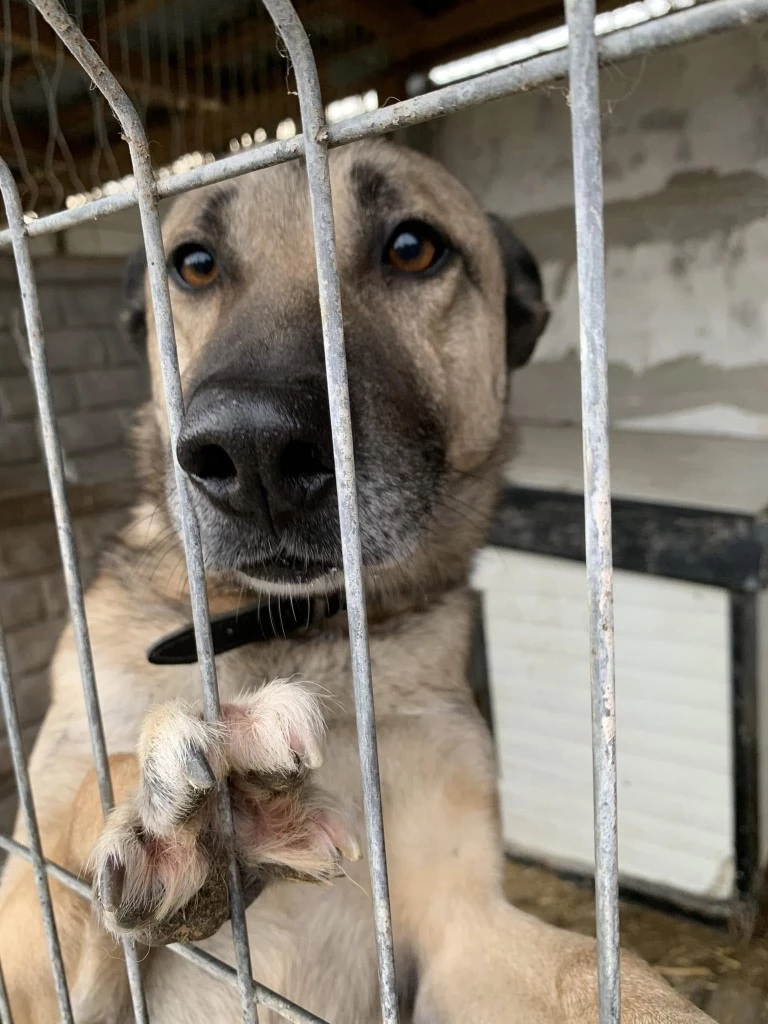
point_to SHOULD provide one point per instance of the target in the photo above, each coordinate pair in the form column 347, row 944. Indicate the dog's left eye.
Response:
column 414, row 248
column 195, row 265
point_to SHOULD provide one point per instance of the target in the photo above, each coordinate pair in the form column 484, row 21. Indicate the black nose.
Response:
column 261, row 451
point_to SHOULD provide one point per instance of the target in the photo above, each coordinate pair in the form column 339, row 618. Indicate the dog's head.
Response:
column 440, row 304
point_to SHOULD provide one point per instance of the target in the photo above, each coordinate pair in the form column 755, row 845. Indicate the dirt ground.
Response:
column 727, row 979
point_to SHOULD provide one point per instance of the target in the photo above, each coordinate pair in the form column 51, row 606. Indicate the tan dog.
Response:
column 440, row 304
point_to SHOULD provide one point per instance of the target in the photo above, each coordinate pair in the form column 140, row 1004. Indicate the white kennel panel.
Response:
column 676, row 813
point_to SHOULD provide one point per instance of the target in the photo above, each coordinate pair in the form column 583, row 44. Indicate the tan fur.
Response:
column 290, row 749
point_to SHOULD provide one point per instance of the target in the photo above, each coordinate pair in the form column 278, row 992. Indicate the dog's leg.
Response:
column 95, row 973
column 158, row 865
column 480, row 959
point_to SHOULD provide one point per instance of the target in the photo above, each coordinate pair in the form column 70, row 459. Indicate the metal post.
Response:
column 146, row 194
column 5, row 1006
column 16, row 746
column 55, row 468
column 316, row 153
column 588, row 187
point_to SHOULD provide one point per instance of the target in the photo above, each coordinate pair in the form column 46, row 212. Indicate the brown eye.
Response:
column 414, row 248
column 195, row 266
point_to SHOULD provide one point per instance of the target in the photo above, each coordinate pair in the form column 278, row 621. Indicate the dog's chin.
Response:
column 248, row 564
column 284, row 577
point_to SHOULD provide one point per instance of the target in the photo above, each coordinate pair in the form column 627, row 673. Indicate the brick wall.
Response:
column 98, row 381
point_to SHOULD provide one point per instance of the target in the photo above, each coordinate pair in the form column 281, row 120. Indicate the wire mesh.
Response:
column 583, row 56
column 201, row 79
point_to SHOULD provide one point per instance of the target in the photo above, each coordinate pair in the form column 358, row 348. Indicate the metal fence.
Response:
column 580, row 63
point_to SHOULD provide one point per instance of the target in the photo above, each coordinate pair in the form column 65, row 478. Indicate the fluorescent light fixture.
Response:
column 553, row 39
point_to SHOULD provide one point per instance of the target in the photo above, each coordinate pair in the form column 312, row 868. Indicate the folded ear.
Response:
column 133, row 315
column 527, row 312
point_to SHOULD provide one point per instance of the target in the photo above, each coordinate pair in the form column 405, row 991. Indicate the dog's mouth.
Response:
column 296, row 571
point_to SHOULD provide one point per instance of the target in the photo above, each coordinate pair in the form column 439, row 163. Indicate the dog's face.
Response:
column 439, row 304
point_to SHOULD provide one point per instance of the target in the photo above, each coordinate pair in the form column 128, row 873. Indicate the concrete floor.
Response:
column 727, row 979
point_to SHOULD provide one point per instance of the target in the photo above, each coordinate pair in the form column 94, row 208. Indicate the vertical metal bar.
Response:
column 55, row 468
column 56, row 478
column 588, row 187
column 146, row 192
column 316, row 154
column 18, row 760
column 5, row 1006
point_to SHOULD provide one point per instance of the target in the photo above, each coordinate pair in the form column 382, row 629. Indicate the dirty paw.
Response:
column 159, row 889
column 160, row 866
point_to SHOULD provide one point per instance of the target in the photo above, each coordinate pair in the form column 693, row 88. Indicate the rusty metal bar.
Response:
column 316, row 155
column 590, row 252
column 146, row 194
column 65, row 533
column 19, row 761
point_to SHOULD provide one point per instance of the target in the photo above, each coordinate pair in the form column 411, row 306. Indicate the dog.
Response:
column 441, row 304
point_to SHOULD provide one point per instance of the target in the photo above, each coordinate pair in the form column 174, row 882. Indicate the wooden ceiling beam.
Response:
column 252, row 31
column 470, row 21
column 379, row 18
column 268, row 107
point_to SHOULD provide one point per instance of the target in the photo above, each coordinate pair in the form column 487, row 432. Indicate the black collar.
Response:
column 282, row 619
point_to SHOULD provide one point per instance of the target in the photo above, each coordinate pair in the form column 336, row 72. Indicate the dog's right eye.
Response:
column 195, row 266
column 415, row 248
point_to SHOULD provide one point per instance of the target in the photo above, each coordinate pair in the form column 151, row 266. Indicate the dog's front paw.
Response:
column 160, row 866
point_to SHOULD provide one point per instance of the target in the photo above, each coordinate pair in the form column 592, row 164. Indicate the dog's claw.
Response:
column 341, row 835
column 312, row 754
column 198, row 772
column 351, row 849
column 109, row 885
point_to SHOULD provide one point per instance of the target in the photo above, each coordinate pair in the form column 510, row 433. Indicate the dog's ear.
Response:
column 527, row 312
column 133, row 316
